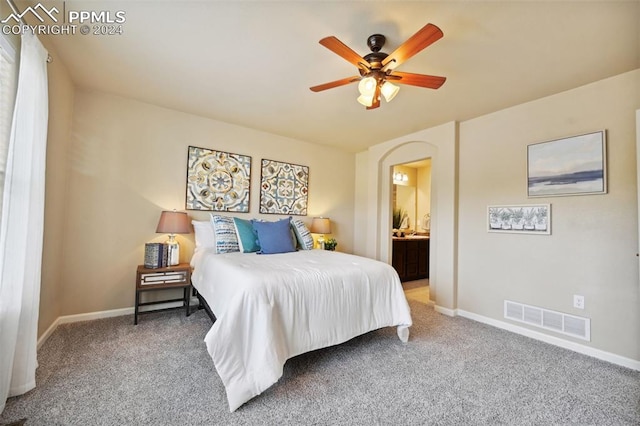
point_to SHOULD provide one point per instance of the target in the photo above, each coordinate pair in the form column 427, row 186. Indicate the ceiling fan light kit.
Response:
column 389, row 90
column 365, row 100
column 367, row 86
column 376, row 69
column 367, row 89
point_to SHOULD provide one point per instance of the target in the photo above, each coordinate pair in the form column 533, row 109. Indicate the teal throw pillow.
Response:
column 247, row 238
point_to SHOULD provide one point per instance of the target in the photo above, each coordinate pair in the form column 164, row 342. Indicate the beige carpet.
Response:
column 453, row 371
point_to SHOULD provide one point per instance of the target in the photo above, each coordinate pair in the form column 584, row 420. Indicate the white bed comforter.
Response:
column 270, row 308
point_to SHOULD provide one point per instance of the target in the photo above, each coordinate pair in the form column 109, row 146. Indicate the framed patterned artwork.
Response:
column 284, row 188
column 217, row 180
column 520, row 219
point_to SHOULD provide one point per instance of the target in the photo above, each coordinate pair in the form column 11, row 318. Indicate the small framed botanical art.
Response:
column 575, row 165
column 520, row 219
column 217, row 180
column 284, row 188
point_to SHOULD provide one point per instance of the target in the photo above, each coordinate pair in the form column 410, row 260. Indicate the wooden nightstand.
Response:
column 178, row 276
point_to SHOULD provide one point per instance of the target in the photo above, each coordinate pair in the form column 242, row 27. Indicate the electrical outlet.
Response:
column 578, row 301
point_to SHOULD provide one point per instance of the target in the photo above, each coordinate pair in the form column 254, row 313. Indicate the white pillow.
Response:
column 205, row 237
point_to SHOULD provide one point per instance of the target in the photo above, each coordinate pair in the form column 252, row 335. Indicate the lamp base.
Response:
column 321, row 242
column 173, row 251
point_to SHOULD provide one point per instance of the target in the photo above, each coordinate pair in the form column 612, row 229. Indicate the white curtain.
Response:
column 22, row 223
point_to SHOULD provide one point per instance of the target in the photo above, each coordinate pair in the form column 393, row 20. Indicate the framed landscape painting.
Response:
column 575, row 165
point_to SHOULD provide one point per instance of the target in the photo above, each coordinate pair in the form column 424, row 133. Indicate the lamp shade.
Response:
column 320, row 225
column 173, row 223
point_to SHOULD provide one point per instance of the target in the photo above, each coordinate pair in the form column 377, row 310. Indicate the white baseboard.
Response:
column 445, row 311
column 553, row 340
column 49, row 331
column 89, row 316
column 67, row 319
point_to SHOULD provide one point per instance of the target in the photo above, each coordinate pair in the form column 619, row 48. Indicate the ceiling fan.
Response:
column 377, row 68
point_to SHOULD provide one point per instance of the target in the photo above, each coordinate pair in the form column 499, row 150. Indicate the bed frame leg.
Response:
column 403, row 333
column 204, row 305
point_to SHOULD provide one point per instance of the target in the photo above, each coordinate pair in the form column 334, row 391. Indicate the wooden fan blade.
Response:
column 427, row 35
column 376, row 98
column 333, row 84
column 420, row 80
column 341, row 49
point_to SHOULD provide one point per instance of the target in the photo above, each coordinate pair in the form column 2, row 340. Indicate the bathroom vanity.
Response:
column 411, row 257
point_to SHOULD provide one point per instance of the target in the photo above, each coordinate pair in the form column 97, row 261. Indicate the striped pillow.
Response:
column 225, row 231
column 305, row 239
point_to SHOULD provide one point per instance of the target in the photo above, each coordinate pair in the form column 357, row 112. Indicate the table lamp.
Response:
column 320, row 225
column 173, row 223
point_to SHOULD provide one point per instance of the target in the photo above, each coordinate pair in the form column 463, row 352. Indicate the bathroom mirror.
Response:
column 412, row 194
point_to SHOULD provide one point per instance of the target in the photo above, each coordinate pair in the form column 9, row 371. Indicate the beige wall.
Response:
column 362, row 204
column 594, row 241
column 61, row 93
column 127, row 163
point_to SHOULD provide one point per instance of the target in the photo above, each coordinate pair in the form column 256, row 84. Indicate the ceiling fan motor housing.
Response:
column 375, row 42
column 375, row 58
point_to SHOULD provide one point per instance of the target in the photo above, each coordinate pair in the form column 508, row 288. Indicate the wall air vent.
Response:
column 559, row 322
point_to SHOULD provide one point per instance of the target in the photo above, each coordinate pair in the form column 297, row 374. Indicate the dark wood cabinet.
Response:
column 410, row 258
column 398, row 258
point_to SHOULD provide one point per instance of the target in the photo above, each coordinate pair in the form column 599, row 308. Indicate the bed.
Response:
column 269, row 308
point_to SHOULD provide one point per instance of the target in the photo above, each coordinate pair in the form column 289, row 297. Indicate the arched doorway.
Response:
column 439, row 144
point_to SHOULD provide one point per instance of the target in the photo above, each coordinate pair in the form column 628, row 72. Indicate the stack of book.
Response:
column 156, row 255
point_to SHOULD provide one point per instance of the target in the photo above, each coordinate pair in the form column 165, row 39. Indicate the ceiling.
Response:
column 251, row 63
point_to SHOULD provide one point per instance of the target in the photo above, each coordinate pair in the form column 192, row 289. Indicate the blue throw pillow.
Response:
column 247, row 238
column 274, row 237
